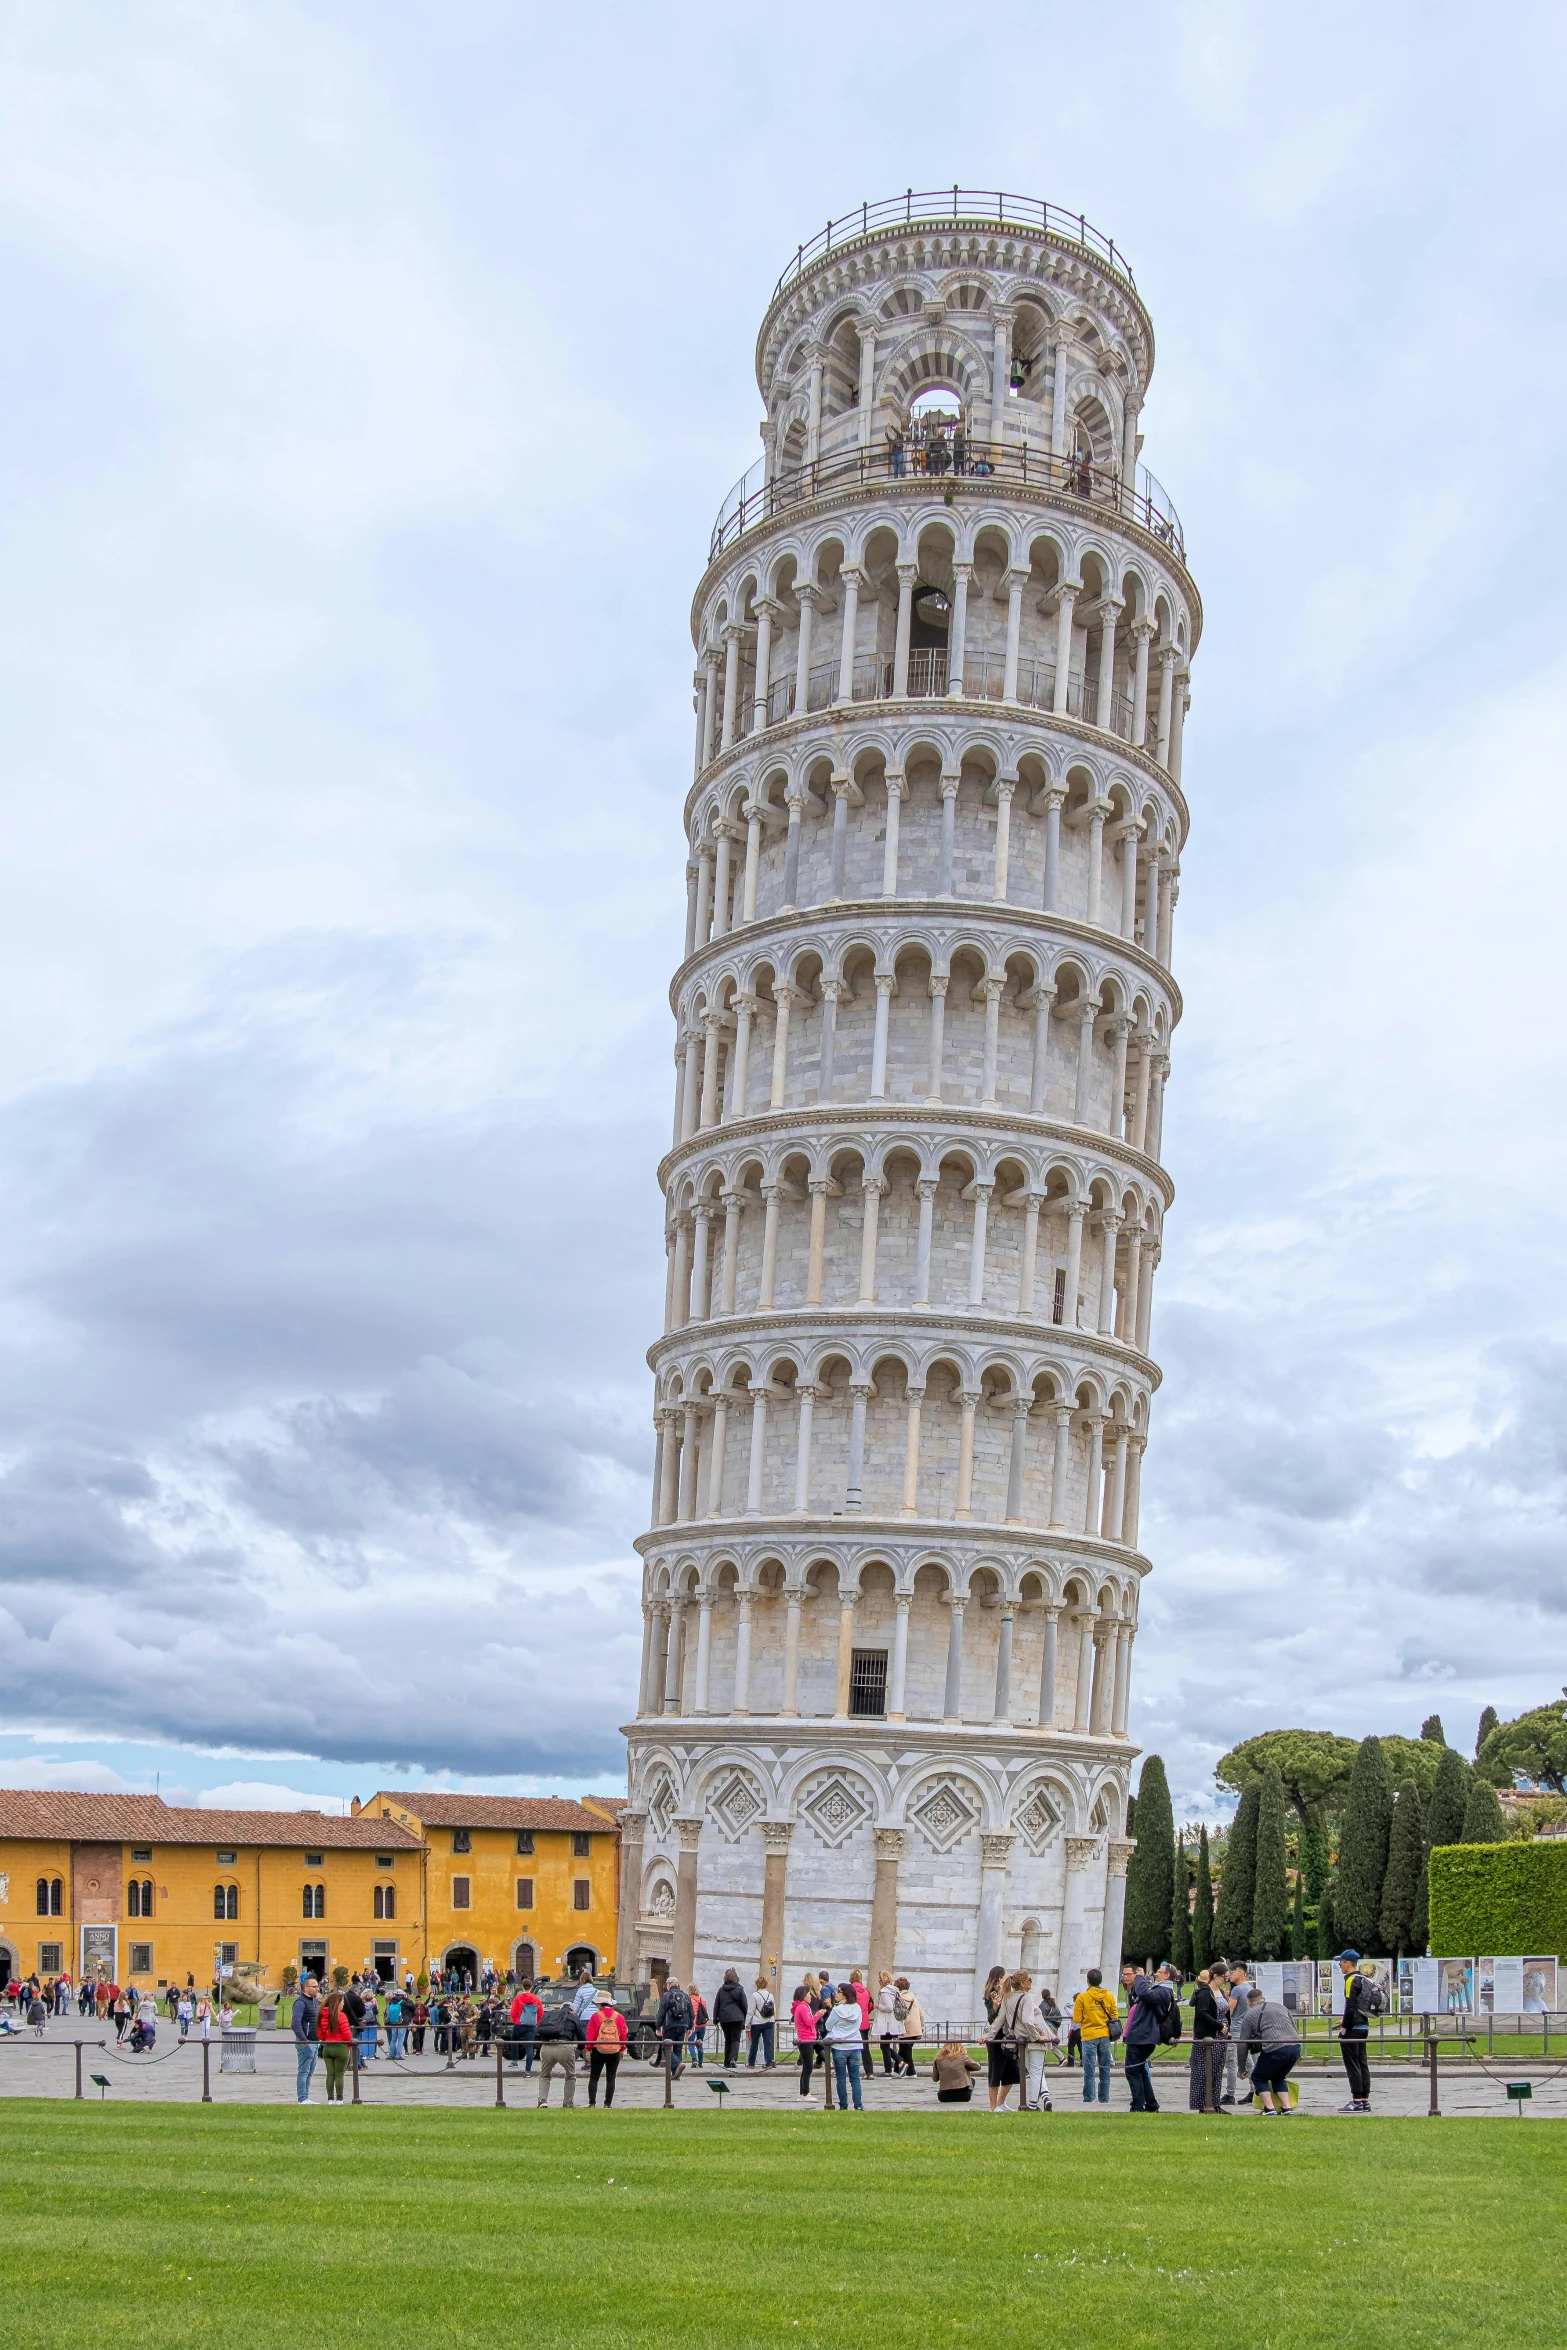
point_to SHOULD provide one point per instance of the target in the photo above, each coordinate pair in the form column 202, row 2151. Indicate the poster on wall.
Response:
column 98, row 1951
column 1377, row 1971
column 1456, row 1986
column 1290, row 1983
column 1419, row 1986
column 1517, row 1986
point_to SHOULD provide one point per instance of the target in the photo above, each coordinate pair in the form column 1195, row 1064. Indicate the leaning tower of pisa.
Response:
column 914, row 1196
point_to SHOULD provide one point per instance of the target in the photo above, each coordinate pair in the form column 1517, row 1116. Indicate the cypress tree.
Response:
column 1232, row 1917
column 1270, row 1892
column 1131, row 1815
column 1146, row 1932
column 1484, row 1821
column 1180, row 1916
column 1488, row 1721
column 1420, row 1911
column 1405, row 1859
column 1314, row 1858
column 1202, row 1906
column 1449, row 1798
column 1431, row 1728
column 1299, row 1946
column 1362, row 1850
column 1327, row 1939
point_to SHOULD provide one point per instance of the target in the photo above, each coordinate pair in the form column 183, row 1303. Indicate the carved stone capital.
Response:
column 996, row 1851
column 776, row 1835
column 1121, row 1851
column 890, row 1843
column 1080, row 1851
column 690, row 1834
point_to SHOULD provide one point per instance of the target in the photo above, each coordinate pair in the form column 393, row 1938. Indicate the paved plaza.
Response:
column 173, row 2073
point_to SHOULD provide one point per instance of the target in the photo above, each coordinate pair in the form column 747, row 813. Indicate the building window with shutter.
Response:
column 525, row 1841
column 524, row 1892
column 581, row 1893
column 50, row 1958
column 581, row 1845
column 462, row 1892
column 462, row 1840
column 141, row 1958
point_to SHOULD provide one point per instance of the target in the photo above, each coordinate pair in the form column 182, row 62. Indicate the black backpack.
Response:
column 681, row 2017
column 1170, row 2022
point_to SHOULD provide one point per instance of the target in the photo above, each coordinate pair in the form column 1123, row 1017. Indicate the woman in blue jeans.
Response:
column 845, row 2046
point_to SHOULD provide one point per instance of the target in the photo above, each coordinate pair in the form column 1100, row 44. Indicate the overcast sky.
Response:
column 370, row 377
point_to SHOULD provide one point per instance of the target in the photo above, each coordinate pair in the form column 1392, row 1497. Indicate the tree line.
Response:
column 1330, row 1841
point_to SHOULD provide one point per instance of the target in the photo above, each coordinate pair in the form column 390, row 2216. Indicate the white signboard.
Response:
column 1288, row 1982
column 1419, row 1986
column 1375, row 1970
column 1517, row 1986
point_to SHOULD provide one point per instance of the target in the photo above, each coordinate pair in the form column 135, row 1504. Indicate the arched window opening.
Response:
column 225, row 1901
column 315, row 1901
column 386, row 1901
column 51, row 1897
column 138, row 1898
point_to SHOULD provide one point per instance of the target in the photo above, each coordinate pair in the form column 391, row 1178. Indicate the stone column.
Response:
column 1060, row 1465
column 715, row 1464
column 1082, row 1713
column 994, row 1854
column 1168, row 656
column 808, row 596
column 1076, row 1215
column 911, row 1454
column 833, row 992
column 992, row 990
column 813, row 408
column 1142, row 631
column 691, row 1090
column 704, row 1652
column 952, row 1699
column 846, row 1604
column 1087, row 1013
column 889, row 853
column 866, row 330
column 1123, row 1678
column 733, row 633
column 649, row 1651
column 794, row 801
column 775, row 1870
column 1133, row 1494
column 842, row 793
column 1080, row 1851
column 712, row 1023
column 674, row 1654
column 976, row 1267
column 818, row 1186
column 1094, row 1423
column 740, row 1063
column 1109, row 1226
column 753, row 859
column 1121, row 1851
column 1055, row 801
column 740, row 1703
column 682, row 1962
column 688, row 1449
column 1021, row 1406
column 668, row 1465
column 791, row 1660
column 1039, row 1001
column 1098, row 810
column 756, row 1466
column 1126, row 835
column 1003, row 1706
column 723, row 879
column 873, row 1187
column 958, row 634
column 1066, row 605
column 859, row 1396
column 907, row 575
column 769, row 1279
column 709, row 702
column 699, row 1263
column 965, row 1500
column 802, row 1456
column 1099, row 1696
column 851, row 611
column 1058, row 398
column 734, row 1209
column 1115, row 1499
column 1109, row 614
column 1017, row 581
column 1004, row 791
column 897, row 1692
column 1000, row 372
column 949, row 835
column 692, row 874
column 938, row 1038
column 1178, row 724
column 1028, row 1262
column 633, row 1825
column 766, row 613
column 884, row 1904
column 885, row 984
column 1047, row 1670
column 783, row 997
column 926, row 1188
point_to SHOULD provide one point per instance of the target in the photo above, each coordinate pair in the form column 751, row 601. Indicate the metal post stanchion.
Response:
column 669, row 2075
column 1432, row 2046
column 500, row 2075
column 78, row 2068
column 355, row 2046
column 206, row 2072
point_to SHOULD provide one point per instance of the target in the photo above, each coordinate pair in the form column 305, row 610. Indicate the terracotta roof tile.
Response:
column 443, row 1810
column 147, row 1819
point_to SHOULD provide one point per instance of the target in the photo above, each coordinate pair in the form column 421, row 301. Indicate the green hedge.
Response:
column 1499, row 1900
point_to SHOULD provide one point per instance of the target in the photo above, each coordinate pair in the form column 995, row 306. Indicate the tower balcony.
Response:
column 944, row 459
column 930, row 679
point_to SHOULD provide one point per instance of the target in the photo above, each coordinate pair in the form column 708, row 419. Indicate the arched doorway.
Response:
column 582, row 1959
column 8, row 1965
column 463, row 1961
column 524, row 1961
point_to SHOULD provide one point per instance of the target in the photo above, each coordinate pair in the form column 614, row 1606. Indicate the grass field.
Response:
column 264, row 2226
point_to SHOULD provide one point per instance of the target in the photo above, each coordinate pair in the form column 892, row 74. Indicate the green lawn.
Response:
column 153, row 2225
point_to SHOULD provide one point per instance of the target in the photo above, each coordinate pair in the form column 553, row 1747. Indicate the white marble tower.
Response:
column 914, row 1199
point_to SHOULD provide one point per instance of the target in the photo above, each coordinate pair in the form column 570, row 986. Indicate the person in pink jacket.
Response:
column 804, row 2020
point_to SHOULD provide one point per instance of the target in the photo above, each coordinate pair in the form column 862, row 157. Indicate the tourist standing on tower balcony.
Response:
column 762, row 2016
column 802, row 2015
column 896, row 452
column 1093, row 2012
column 729, row 2014
column 845, row 2044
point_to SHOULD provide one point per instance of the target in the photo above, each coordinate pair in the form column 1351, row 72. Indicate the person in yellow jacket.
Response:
column 1093, row 2012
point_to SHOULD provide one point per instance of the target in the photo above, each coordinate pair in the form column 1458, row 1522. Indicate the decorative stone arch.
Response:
column 980, row 1801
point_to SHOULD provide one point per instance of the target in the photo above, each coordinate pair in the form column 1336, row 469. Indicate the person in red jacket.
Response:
column 606, row 2046
column 526, row 2009
column 336, row 2037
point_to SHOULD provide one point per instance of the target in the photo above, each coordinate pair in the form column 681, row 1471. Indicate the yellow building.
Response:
column 529, row 1884
column 147, row 1892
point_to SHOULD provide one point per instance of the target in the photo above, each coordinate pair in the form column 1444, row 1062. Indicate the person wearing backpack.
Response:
column 672, row 2023
column 730, row 2009
column 762, row 2019
column 559, row 2035
column 606, row 2046
column 1153, row 2011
